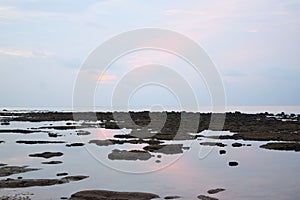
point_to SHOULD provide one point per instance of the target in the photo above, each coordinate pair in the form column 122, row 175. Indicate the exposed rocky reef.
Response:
column 284, row 146
column 10, row 170
column 111, row 195
column 117, row 154
column 21, row 183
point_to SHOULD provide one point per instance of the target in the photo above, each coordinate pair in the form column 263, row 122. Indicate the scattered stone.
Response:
column 54, row 135
column 236, row 144
column 20, row 177
column 284, row 146
column 219, row 144
column 2, row 164
column 75, row 145
column 52, row 162
column 233, row 163
column 157, row 161
column 47, row 154
column 5, row 123
column 111, row 195
column 39, row 142
column 165, row 149
column 124, row 136
column 159, row 156
column 15, row 183
column 101, row 142
column 214, row 191
column 129, row 155
column 10, row 170
column 2, row 142
column 24, row 131
column 82, row 133
column 172, row 197
column 204, row 197
column 222, row 152
column 69, row 123
column 185, row 148
column 64, row 198
column 62, row 174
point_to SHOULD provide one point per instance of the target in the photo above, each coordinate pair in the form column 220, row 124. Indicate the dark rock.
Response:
column 172, row 197
column 233, row 163
column 24, row 131
column 10, row 170
column 111, row 195
column 5, row 123
column 62, row 174
column 75, row 145
column 165, row 149
column 47, row 154
column 2, row 142
column 82, row 133
column 236, row 144
column 54, row 135
column 214, row 191
column 219, row 144
column 129, row 155
column 124, row 136
column 222, row 152
column 283, row 146
column 52, row 162
column 204, row 197
column 16, row 183
column 39, row 142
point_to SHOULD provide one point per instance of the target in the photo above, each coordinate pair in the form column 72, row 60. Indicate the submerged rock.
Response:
column 111, row 195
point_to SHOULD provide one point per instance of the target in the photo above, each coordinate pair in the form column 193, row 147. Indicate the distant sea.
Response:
column 243, row 109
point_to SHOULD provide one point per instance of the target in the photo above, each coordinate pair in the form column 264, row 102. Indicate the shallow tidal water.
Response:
column 261, row 173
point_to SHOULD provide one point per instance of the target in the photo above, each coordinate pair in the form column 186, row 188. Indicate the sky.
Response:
column 254, row 45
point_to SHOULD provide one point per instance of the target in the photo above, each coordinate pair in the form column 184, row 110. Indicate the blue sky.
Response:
column 254, row 44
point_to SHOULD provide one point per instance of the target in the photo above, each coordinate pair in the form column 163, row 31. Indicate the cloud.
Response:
column 106, row 79
column 19, row 53
column 25, row 53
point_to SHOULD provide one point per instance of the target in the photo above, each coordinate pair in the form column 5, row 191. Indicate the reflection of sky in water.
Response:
column 261, row 174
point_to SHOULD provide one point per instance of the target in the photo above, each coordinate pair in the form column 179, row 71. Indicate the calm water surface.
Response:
column 261, row 174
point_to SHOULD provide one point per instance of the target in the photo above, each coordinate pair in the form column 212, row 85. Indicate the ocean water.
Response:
column 261, row 174
column 243, row 109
